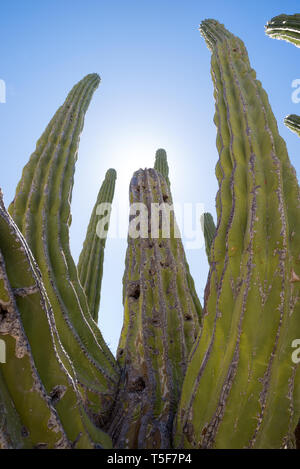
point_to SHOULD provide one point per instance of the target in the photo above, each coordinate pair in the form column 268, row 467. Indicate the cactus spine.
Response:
column 209, row 231
column 160, row 327
column 90, row 265
column 242, row 388
column 285, row 27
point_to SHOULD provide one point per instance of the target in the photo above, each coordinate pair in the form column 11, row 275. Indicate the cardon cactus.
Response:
column 90, row 264
column 223, row 377
column 242, row 388
column 161, row 164
column 287, row 27
column 161, row 322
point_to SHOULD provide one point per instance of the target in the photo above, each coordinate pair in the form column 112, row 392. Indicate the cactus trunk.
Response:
column 242, row 388
column 161, row 324
column 41, row 209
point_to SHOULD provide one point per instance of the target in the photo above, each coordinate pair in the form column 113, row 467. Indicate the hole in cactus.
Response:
column 57, row 393
column 165, row 197
column 138, row 385
column 3, row 314
column 41, row 446
column 134, row 291
column 120, row 352
column 188, row 317
column 24, row 432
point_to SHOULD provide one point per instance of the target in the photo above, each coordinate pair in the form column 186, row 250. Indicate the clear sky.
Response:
column 156, row 91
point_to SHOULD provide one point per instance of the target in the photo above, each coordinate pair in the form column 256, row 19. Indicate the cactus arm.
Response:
column 161, row 164
column 285, row 27
column 90, row 265
column 30, row 312
column 209, row 231
column 41, row 209
column 293, row 123
column 242, row 359
column 160, row 327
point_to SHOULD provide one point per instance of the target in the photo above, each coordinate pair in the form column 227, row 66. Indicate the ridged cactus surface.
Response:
column 242, row 388
column 90, row 264
column 41, row 404
column 286, row 27
column 161, row 324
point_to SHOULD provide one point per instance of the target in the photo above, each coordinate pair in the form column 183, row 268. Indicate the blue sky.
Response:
column 156, row 91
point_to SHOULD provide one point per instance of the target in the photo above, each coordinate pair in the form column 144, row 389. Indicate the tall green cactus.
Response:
column 42, row 405
column 41, row 209
column 286, row 27
column 90, row 264
column 161, row 324
column 242, row 388
column 209, row 231
column 161, row 164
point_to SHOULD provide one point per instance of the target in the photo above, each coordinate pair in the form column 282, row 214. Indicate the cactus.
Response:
column 41, row 404
column 209, row 231
column 90, row 265
column 41, row 210
column 161, row 164
column 293, row 123
column 161, row 324
column 242, row 388
column 285, row 27
column 221, row 378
